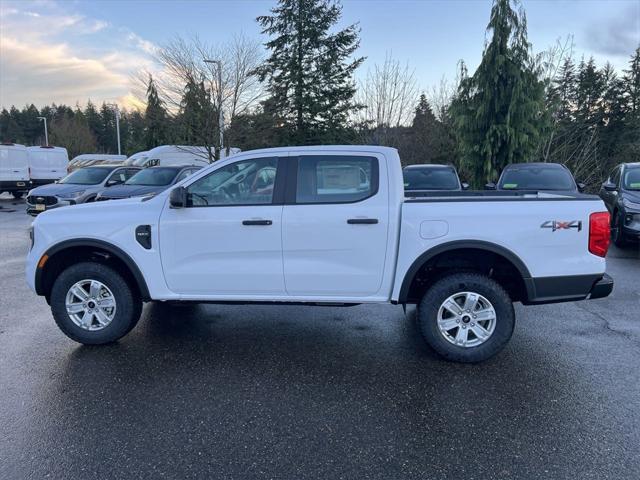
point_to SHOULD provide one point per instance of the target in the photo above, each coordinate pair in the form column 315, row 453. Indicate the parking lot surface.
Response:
column 315, row 392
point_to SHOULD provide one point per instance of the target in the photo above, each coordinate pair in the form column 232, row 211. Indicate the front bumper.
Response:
column 35, row 208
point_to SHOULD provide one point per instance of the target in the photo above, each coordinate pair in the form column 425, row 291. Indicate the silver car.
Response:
column 80, row 186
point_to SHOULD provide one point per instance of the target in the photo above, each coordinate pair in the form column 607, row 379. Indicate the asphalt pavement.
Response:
column 316, row 392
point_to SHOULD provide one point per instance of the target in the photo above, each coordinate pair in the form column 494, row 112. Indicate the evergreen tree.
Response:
column 499, row 111
column 198, row 121
column 310, row 70
column 157, row 132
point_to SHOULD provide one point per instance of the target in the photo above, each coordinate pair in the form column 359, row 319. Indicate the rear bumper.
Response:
column 567, row 288
column 15, row 185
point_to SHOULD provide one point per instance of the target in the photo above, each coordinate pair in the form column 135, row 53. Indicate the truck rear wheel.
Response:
column 466, row 317
column 93, row 304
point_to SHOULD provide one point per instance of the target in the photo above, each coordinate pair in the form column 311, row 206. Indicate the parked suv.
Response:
column 147, row 182
column 621, row 195
column 536, row 176
column 80, row 186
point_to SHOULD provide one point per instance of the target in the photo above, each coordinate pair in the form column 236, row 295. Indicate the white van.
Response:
column 14, row 169
column 135, row 157
column 47, row 164
column 87, row 159
column 170, row 155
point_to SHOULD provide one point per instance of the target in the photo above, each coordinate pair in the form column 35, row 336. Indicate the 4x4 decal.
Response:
column 559, row 225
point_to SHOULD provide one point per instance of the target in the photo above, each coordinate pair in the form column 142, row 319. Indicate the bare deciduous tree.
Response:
column 388, row 96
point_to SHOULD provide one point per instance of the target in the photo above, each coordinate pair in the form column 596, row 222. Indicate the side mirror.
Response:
column 112, row 182
column 581, row 186
column 178, row 197
column 609, row 186
column 490, row 186
column 465, row 186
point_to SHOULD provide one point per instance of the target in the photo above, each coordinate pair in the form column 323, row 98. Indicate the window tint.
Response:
column 537, row 178
column 430, row 178
column 248, row 182
column 632, row 179
column 336, row 179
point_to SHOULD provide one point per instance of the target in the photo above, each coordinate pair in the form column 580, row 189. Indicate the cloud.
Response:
column 616, row 36
column 53, row 55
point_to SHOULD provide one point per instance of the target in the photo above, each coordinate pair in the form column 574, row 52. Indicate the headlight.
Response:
column 629, row 204
column 71, row 195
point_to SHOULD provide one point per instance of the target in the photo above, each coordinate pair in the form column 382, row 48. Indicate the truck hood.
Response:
column 125, row 191
column 632, row 196
column 58, row 189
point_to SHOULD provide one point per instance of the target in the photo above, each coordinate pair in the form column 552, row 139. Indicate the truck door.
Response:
column 227, row 241
column 335, row 224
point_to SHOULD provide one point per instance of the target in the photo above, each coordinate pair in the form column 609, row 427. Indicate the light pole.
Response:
column 46, row 134
column 221, row 115
column 117, row 111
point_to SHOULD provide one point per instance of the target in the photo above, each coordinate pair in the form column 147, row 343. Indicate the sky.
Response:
column 68, row 51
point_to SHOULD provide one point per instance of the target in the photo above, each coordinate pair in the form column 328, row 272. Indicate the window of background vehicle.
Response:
column 247, row 182
column 430, row 178
column 153, row 177
column 336, row 178
column 537, row 179
column 632, row 179
column 185, row 174
column 86, row 176
column 615, row 176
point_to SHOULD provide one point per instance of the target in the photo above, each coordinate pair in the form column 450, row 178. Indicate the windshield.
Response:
column 153, row 177
column 632, row 179
column 430, row 178
column 537, row 178
column 86, row 176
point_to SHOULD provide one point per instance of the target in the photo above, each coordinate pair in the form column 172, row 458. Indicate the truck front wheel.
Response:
column 466, row 317
column 93, row 304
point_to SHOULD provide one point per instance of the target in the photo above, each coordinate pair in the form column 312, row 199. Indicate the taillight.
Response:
column 599, row 233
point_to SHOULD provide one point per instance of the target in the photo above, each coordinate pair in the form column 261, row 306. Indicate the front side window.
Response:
column 248, row 182
column 632, row 179
column 86, row 176
column 336, row 178
column 615, row 176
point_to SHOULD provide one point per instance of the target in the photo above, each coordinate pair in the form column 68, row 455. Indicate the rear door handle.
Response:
column 362, row 221
column 257, row 222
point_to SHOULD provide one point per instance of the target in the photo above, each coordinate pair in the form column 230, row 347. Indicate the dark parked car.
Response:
column 536, row 176
column 80, row 186
column 621, row 194
column 431, row 177
column 148, row 182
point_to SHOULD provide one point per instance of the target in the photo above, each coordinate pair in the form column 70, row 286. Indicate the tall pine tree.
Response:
column 157, row 131
column 310, row 69
column 499, row 111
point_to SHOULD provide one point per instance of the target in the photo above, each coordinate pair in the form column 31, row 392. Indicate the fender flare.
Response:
column 101, row 244
column 464, row 244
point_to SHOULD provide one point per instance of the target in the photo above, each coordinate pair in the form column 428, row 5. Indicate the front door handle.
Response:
column 257, row 222
column 362, row 221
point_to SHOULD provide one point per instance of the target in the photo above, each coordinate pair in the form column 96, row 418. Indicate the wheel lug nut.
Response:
column 458, row 320
column 473, row 324
column 464, row 326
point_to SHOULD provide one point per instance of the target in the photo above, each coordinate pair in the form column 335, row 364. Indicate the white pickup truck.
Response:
column 321, row 226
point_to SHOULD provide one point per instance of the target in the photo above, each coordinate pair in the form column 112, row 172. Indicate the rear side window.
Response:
column 336, row 178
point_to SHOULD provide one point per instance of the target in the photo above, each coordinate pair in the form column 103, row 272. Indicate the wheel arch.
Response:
column 525, row 283
column 68, row 252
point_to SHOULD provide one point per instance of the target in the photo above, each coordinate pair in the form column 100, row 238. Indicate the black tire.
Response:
column 128, row 305
column 17, row 195
column 617, row 237
column 463, row 282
